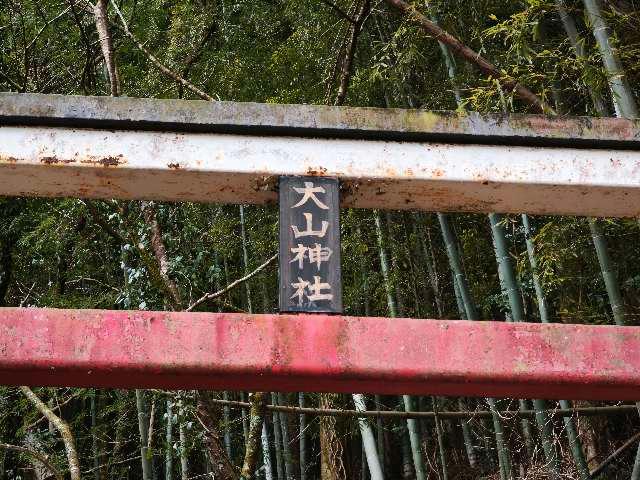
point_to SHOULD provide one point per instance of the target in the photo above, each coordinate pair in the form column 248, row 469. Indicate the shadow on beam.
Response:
column 139, row 349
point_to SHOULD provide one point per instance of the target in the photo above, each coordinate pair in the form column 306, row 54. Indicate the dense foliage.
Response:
column 98, row 254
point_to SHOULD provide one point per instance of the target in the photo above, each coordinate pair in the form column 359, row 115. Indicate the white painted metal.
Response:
column 206, row 167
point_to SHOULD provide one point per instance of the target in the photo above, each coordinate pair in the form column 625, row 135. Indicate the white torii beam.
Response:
column 57, row 146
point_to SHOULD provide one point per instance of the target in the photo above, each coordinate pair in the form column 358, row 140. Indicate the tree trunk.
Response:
column 208, row 417
column 252, row 448
column 63, row 428
column 245, row 419
column 474, row 58
column 572, row 32
column 331, row 464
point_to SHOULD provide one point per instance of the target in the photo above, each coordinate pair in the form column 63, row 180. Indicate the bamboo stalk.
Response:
column 368, row 440
column 168, row 465
column 412, row 426
column 621, row 92
column 472, row 314
column 303, row 439
column 608, row 275
column 512, row 289
column 143, row 429
column 277, row 437
column 266, row 452
column 286, row 447
column 575, row 443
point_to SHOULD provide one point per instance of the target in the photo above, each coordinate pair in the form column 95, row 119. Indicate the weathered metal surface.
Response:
column 210, row 167
column 316, row 121
column 317, row 352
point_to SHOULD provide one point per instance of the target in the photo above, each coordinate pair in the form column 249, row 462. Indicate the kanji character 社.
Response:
column 300, row 287
column 316, row 288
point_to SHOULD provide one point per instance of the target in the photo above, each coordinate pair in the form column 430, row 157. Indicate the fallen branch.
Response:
column 234, row 284
column 460, row 49
column 119, row 462
column 37, row 455
column 508, row 414
column 600, row 468
column 167, row 71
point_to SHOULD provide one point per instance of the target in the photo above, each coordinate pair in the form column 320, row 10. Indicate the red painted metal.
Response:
column 127, row 349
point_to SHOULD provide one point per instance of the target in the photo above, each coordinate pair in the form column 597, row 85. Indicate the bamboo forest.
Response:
column 553, row 58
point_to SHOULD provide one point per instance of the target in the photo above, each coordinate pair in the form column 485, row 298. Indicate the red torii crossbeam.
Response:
column 229, row 351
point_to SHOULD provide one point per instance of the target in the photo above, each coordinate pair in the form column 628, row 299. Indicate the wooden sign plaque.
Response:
column 310, row 276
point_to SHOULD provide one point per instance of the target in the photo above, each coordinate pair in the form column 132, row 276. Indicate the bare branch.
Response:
column 347, row 62
column 106, row 43
column 232, row 285
column 10, row 81
column 600, row 468
column 167, row 71
column 339, row 11
column 460, row 49
column 508, row 414
column 100, row 220
column 63, row 429
column 37, row 455
column 44, row 27
column 119, row 462
column 57, row 407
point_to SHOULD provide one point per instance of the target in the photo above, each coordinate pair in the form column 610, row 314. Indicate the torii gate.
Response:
column 101, row 147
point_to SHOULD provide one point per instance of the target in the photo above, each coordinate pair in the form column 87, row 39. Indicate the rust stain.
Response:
column 266, row 183
column 55, row 160
column 316, row 172
column 110, row 161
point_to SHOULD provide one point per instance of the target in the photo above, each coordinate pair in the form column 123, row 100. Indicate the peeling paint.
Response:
column 317, row 352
